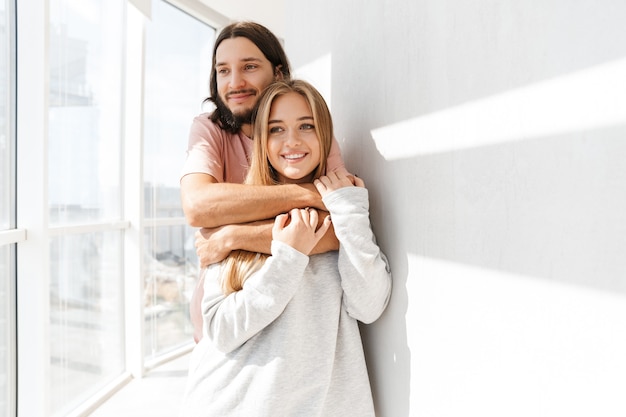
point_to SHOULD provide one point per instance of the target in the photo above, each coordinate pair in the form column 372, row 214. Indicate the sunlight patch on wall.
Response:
column 318, row 73
column 587, row 99
column 488, row 339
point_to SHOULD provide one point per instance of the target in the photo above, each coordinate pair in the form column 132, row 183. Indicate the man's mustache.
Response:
column 236, row 92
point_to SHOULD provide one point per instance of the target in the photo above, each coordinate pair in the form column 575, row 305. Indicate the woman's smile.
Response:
column 294, row 157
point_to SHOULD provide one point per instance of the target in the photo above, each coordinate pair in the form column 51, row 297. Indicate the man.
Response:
column 247, row 57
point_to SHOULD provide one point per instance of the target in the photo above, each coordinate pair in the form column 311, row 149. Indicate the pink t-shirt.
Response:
column 225, row 156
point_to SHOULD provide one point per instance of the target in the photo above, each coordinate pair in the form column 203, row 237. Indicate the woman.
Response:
column 281, row 334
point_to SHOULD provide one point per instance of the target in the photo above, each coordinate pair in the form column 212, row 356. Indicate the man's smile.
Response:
column 240, row 95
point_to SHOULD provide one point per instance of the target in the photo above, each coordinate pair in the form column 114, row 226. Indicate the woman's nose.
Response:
column 293, row 138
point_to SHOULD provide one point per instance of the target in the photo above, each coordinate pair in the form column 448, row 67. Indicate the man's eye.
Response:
column 250, row 67
column 222, row 71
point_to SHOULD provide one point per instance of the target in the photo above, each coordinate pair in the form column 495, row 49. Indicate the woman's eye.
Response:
column 275, row 129
column 307, row 126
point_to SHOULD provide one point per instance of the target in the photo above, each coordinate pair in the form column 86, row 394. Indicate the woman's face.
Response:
column 293, row 146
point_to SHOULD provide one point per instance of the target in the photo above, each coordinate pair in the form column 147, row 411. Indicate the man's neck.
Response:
column 246, row 129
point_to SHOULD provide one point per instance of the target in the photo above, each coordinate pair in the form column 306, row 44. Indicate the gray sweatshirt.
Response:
column 288, row 344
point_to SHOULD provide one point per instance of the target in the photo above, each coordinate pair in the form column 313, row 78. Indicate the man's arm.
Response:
column 208, row 203
column 214, row 244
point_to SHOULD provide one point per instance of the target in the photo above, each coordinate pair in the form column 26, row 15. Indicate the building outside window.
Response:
column 84, row 196
column 177, row 66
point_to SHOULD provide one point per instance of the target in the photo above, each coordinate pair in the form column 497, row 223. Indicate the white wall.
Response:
column 270, row 13
column 492, row 137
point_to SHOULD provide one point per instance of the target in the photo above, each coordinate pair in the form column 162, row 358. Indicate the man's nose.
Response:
column 236, row 79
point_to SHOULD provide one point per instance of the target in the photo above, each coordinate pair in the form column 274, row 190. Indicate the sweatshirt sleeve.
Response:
column 230, row 321
column 364, row 269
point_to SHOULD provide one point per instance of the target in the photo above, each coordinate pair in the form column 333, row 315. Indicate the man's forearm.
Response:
column 253, row 237
column 257, row 237
column 217, row 204
column 213, row 245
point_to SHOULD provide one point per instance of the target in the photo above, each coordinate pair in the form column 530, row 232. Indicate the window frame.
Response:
column 11, row 237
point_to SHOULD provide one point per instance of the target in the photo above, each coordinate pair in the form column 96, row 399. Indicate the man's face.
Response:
column 242, row 72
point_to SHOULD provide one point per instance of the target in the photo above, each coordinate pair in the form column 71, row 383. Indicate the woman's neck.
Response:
column 304, row 180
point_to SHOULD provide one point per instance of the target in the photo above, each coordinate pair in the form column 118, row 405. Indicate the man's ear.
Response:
column 278, row 74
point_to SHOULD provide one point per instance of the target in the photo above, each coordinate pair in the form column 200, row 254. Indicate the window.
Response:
column 86, row 326
column 91, row 228
column 178, row 60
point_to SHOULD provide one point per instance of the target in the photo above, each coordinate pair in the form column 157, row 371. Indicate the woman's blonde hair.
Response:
column 241, row 264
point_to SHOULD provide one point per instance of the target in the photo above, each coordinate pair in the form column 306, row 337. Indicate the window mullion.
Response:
column 33, row 260
column 133, row 191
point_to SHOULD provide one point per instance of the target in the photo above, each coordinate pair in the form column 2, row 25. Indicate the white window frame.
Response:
column 33, row 265
column 12, row 236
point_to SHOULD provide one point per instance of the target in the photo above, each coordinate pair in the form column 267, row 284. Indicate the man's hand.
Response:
column 211, row 245
column 214, row 244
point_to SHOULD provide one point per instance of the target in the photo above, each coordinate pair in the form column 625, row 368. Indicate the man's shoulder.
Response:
column 204, row 120
column 203, row 123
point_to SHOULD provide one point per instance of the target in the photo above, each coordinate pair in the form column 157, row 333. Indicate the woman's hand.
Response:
column 336, row 180
column 298, row 229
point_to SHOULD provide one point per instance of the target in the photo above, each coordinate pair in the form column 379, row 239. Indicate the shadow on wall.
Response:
column 537, row 192
column 547, row 208
column 497, row 145
column 544, row 200
column 387, row 351
column 490, row 135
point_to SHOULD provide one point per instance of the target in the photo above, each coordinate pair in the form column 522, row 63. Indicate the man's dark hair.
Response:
column 269, row 45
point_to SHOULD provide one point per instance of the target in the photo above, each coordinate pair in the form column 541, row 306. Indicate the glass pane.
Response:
column 84, row 142
column 86, row 316
column 86, row 52
column 170, row 276
column 178, row 60
column 6, row 139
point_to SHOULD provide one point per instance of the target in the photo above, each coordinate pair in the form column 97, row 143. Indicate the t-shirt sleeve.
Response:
column 205, row 149
column 335, row 160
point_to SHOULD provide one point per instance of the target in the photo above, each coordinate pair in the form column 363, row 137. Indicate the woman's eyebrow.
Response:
column 298, row 119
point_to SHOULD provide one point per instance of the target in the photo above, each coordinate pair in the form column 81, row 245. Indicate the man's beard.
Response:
column 232, row 121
